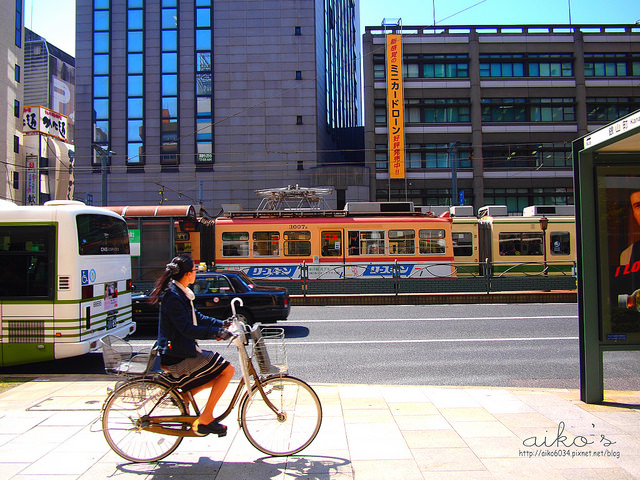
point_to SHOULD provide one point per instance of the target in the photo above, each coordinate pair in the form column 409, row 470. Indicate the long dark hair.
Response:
column 175, row 270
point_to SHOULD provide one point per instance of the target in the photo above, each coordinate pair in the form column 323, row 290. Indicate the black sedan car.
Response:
column 214, row 292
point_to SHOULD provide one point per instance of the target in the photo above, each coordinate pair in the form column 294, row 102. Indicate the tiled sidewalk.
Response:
column 48, row 430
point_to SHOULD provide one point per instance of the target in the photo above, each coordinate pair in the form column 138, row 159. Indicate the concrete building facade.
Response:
column 205, row 102
column 11, row 92
column 490, row 112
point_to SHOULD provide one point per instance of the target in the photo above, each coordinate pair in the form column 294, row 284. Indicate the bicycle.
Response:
column 144, row 419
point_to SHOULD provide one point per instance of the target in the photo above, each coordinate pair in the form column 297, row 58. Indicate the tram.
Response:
column 542, row 240
column 370, row 240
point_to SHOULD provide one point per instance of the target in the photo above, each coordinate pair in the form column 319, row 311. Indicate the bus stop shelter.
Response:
column 607, row 197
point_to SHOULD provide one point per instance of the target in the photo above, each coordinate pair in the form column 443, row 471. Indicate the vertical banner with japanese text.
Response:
column 395, row 106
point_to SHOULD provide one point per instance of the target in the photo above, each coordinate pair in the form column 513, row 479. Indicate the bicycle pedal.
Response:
column 223, row 434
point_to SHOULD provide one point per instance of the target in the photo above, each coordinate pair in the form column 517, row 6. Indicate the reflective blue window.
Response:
column 170, row 107
column 169, row 3
column 169, row 63
column 101, row 132
column 100, row 4
column 135, row 20
column 203, row 3
column 135, row 63
column 134, row 42
column 101, row 64
column 101, row 108
column 169, row 40
column 134, row 108
column 203, row 107
column 101, row 42
column 203, row 61
column 203, row 39
column 169, row 18
column 135, row 4
column 134, row 152
column 203, row 17
column 135, row 86
column 204, row 130
column 101, row 20
column 134, row 130
column 100, row 86
column 169, row 85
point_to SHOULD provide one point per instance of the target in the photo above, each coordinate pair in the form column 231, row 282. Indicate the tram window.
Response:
column 266, row 244
column 368, row 242
column 297, row 244
column 402, row 242
column 331, row 244
column 520, row 243
column 560, row 243
column 462, row 244
column 235, row 244
column 432, row 241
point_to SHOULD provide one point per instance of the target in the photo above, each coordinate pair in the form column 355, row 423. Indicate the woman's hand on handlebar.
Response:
column 224, row 334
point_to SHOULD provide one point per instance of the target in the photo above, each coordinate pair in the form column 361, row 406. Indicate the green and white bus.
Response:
column 65, row 280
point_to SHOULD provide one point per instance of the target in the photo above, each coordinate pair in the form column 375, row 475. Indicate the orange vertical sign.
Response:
column 395, row 106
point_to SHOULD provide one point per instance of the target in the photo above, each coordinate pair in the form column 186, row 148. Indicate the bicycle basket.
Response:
column 269, row 350
column 120, row 359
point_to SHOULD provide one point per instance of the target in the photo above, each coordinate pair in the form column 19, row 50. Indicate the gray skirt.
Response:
column 197, row 371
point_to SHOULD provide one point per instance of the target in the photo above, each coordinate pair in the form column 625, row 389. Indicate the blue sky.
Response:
column 56, row 21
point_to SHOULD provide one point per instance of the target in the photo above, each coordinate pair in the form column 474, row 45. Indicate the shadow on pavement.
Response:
column 309, row 468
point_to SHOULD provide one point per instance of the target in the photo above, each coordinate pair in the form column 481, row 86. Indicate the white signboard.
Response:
column 41, row 120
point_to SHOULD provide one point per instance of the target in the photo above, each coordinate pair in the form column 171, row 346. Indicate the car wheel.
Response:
column 245, row 316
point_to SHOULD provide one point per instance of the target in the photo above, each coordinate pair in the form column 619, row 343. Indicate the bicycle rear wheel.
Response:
column 123, row 422
column 293, row 428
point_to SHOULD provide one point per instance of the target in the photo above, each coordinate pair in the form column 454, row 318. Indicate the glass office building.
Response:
column 204, row 102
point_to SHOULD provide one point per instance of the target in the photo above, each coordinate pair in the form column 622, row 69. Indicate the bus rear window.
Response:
column 102, row 235
column 27, row 254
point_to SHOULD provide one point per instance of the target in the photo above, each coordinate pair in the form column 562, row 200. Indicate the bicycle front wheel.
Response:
column 293, row 427
column 124, row 422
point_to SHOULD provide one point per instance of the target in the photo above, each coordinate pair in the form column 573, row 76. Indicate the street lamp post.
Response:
column 104, row 170
column 544, row 223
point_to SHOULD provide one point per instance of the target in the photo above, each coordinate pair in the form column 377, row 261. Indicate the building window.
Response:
column 18, row 24
column 426, row 66
column 299, row 120
column 297, row 31
column 16, row 144
column 204, row 83
column 169, row 127
column 298, row 75
column 101, row 70
column 527, row 155
column 611, row 64
column 608, row 109
column 528, row 110
column 526, row 65
column 16, row 109
column 16, row 73
column 135, row 82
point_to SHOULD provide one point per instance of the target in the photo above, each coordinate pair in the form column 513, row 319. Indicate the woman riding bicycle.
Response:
column 180, row 324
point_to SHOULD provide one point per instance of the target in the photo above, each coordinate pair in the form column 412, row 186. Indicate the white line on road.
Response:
column 434, row 340
column 343, row 320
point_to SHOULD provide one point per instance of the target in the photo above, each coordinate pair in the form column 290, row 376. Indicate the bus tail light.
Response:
column 87, row 291
column 129, row 285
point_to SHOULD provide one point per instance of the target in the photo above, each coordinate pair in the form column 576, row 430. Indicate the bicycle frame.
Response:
column 160, row 424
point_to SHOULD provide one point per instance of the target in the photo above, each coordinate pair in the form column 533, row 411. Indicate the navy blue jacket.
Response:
column 176, row 332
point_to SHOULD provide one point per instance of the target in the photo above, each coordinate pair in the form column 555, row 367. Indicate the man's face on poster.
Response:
column 635, row 205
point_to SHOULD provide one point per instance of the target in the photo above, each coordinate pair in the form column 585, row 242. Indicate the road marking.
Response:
column 433, row 340
column 443, row 319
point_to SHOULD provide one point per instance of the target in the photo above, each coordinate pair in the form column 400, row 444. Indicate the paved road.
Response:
column 522, row 345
